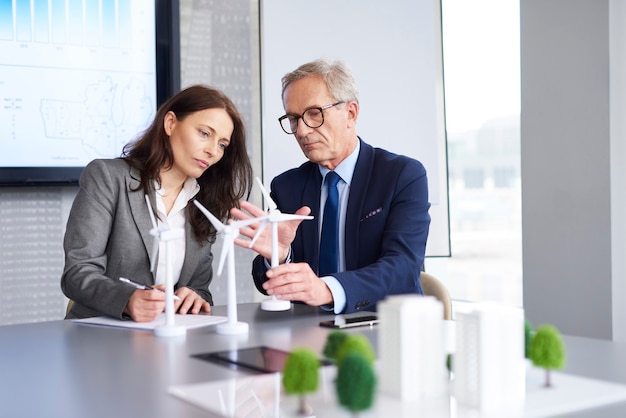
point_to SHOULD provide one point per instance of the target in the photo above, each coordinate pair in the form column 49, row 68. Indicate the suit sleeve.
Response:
column 259, row 268
column 85, row 244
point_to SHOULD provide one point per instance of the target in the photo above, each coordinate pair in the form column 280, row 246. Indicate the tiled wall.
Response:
column 31, row 255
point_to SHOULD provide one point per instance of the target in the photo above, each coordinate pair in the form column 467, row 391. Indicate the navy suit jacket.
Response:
column 386, row 225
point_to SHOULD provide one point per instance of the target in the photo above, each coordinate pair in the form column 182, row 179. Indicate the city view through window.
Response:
column 481, row 50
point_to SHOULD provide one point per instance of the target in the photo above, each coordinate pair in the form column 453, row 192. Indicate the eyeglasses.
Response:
column 312, row 117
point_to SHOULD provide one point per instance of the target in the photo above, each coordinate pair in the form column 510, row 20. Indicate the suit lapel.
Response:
column 139, row 210
column 310, row 228
column 358, row 191
column 192, row 256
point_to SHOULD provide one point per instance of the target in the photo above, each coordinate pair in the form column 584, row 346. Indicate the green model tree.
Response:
column 528, row 337
column 547, row 351
column 333, row 342
column 355, row 343
column 301, row 376
column 355, row 383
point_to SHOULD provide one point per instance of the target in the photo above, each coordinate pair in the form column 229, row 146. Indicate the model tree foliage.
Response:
column 356, row 382
column 333, row 342
column 547, row 350
column 528, row 336
column 301, row 376
column 355, row 343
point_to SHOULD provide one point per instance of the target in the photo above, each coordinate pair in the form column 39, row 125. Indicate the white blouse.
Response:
column 175, row 219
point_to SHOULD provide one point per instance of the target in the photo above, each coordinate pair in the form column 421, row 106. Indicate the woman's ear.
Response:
column 169, row 122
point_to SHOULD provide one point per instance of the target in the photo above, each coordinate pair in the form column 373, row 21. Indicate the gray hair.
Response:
column 336, row 75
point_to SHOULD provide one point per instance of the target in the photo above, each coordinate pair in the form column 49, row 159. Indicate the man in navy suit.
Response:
column 383, row 203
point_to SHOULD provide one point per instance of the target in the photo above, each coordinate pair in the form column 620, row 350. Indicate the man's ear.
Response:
column 353, row 113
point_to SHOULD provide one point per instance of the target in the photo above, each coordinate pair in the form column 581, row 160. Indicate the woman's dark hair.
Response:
column 222, row 185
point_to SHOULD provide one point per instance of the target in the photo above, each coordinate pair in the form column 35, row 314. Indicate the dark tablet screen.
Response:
column 261, row 359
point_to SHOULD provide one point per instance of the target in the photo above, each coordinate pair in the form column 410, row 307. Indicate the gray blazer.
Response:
column 108, row 237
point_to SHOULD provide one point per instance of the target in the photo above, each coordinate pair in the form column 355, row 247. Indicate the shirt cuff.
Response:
column 268, row 264
column 339, row 295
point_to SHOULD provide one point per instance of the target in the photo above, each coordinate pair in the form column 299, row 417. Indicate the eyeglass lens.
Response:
column 313, row 118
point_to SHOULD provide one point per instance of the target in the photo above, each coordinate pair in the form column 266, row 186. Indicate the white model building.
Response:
column 412, row 361
column 489, row 365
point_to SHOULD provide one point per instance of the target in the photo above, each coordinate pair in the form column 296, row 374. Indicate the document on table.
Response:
column 187, row 321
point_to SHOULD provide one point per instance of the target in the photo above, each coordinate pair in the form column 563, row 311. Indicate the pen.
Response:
column 143, row 286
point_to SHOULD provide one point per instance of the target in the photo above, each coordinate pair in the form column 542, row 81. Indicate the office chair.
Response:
column 433, row 287
column 69, row 306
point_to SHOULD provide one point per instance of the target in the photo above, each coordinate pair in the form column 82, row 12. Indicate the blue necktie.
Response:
column 329, row 243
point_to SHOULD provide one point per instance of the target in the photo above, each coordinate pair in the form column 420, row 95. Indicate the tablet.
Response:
column 260, row 359
column 356, row 321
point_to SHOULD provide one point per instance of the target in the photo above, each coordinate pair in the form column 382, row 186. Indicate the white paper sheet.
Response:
column 187, row 321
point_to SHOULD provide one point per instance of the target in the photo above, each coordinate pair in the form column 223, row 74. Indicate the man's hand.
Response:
column 263, row 244
column 296, row 281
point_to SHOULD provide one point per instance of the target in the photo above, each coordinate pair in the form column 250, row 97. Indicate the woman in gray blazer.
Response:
column 195, row 148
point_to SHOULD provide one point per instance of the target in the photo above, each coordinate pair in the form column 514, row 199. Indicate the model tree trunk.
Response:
column 304, row 409
column 300, row 376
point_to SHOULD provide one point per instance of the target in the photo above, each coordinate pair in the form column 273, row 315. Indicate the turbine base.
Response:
column 274, row 304
column 170, row 331
column 232, row 328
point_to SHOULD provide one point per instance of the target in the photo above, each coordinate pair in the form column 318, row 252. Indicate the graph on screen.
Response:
column 77, row 79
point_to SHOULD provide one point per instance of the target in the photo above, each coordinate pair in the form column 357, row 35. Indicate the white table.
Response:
column 62, row 369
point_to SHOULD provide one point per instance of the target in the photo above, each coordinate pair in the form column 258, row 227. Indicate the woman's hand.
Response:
column 145, row 305
column 190, row 301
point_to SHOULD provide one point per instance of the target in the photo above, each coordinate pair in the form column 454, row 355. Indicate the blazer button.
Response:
column 362, row 304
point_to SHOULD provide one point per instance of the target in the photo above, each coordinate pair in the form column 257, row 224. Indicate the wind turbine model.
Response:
column 230, row 231
column 167, row 235
column 275, row 216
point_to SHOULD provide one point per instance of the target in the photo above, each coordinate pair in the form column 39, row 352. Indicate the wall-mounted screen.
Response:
column 78, row 80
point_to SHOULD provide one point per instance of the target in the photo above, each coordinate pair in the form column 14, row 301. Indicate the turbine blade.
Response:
column 258, row 233
column 152, row 218
column 246, row 222
column 227, row 247
column 269, row 202
column 216, row 222
column 290, row 217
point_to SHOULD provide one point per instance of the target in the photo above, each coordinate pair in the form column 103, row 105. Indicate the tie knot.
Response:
column 332, row 179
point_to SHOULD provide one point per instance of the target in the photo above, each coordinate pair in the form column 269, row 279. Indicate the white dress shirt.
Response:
column 345, row 170
column 175, row 219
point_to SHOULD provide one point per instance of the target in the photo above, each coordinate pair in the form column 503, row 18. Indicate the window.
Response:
column 505, row 177
column 474, row 178
column 481, row 52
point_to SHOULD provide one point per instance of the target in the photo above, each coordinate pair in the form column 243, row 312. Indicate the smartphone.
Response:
column 260, row 359
column 355, row 321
